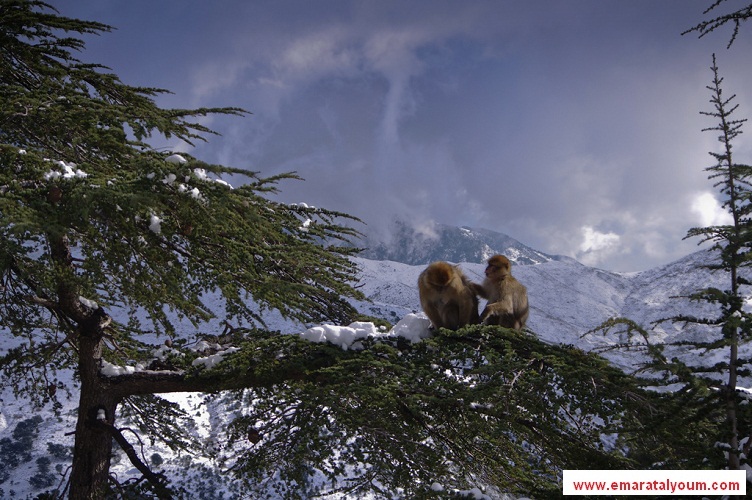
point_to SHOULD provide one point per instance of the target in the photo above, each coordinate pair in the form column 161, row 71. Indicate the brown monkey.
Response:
column 446, row 296
column 507, row 298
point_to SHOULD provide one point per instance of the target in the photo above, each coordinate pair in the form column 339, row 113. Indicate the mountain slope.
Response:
column 454, row 244
column 566, row 298
column 569, row 299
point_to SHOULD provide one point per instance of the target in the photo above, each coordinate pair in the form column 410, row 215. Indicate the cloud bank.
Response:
column 573, row 127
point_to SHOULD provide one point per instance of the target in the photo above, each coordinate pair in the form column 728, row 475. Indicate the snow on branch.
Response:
column 207, row 372
column 413, row 327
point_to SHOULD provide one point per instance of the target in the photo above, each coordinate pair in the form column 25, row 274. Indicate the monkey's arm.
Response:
column 477, row 289
column 497, row 313
column 433, row 314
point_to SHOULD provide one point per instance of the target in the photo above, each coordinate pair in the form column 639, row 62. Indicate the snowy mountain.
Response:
column 567, row 300
column 414, row 246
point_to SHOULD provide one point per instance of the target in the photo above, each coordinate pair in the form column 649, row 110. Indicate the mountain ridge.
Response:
column 570, row 300
column 415, row 246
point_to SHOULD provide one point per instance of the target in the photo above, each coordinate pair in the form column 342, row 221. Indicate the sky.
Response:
column 573, row 126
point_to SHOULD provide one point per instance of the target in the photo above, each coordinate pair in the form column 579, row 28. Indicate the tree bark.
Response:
column 734, row 462
column 93, row 444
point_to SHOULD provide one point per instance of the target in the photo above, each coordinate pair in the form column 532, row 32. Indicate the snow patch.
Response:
column 203, row 176
column 91, row 304
column 110, row 370
column 67, row 171
column 155, row 224
column 212, row 360
column 176, row 159
column 346, row 337
column 475, row 494
column 413, row 327
column 195, row 194
column 301, row 205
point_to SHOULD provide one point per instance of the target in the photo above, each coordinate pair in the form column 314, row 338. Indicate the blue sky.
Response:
column 570, row 125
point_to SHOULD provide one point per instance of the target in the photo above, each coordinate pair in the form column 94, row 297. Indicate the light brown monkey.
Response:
column 447, row 297
column 507, row 298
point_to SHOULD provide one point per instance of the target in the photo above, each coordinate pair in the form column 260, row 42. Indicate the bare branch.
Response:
column 157, row 480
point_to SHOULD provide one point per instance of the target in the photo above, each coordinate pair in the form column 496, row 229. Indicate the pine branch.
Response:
column 735, row 17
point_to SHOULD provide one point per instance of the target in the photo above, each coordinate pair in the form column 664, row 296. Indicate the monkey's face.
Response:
column 491, row 271
column 497, row 268
column 439, row 275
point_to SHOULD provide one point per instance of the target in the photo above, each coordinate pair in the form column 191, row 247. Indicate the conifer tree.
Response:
column 483, row 407
column 734, row 244
column 94, row 221
column 708, row 396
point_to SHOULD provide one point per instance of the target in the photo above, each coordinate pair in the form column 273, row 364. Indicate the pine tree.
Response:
column 94, row 220
column 734, row 244
column 735, row 17
column 707, row 396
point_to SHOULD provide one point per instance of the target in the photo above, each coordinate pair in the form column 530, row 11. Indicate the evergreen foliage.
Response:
column 707, row 398
column 481, row 407
column 135, row 231
column 734, row 17
column 734, row 244
column 93, row 220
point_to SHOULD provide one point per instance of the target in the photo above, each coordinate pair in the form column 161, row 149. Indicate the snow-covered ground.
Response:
column 569, row 299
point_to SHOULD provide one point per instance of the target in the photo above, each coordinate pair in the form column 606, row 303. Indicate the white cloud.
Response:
column 597, row 246
column 426, row 229
column 596, row 241
column 709, row 211
column 325, row 52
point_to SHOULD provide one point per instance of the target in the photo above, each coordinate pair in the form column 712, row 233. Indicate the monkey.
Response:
column 447, row 297
column 507, row 298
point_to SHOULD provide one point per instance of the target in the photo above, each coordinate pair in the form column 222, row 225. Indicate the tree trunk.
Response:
column 731, row 417
column 734, row 462
column 93, row 445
